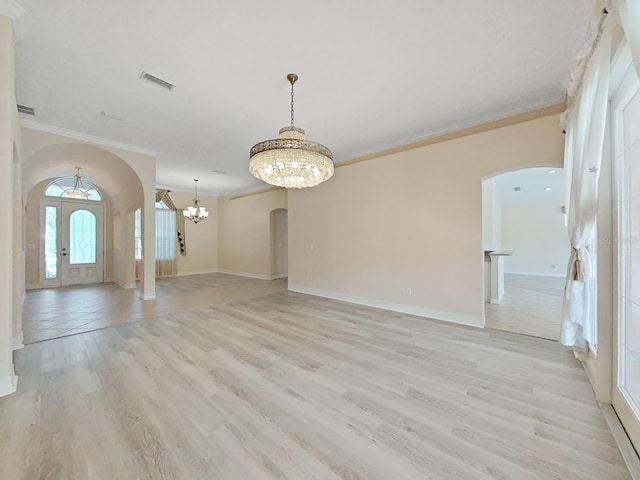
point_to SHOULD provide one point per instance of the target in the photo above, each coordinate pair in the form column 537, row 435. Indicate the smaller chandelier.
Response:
column 78, row 191
column 195, row 213
column 291, row 161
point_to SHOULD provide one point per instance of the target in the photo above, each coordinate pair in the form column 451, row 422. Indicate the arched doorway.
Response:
column 526, row 250
column 279, row 243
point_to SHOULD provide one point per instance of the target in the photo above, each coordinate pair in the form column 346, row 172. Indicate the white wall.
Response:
column 9, row 137
column 491, row 215
column 536, row 234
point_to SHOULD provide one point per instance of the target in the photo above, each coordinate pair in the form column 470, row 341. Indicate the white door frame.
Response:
column 624, row 89
column 100, row 253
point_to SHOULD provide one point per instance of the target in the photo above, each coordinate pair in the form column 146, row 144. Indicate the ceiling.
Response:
column 373, row 75
column 536, row 185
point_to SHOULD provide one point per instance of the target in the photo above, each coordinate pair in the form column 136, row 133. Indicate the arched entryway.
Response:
column 279, row 243
column 526, row 249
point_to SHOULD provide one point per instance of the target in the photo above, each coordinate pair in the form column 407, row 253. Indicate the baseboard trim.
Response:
column 18, row 340
column 622, row 440
column 196, row 272
column 259, row 276
column 8, row 384
column 148, row 296
column 125, row 286
column 451, row 317
column 32, row 286
column 529, row 274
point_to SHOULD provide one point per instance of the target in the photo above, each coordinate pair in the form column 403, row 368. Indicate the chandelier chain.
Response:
column 292, row 104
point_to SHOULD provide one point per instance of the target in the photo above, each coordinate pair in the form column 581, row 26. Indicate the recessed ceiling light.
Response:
column 546, row 189
column 552, row 171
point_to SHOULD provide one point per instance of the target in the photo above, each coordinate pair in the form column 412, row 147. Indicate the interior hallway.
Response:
column 59, row 312
column 532, row 305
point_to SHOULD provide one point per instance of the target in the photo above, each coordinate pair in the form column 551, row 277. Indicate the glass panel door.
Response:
column 625, row 107
column 81, row 243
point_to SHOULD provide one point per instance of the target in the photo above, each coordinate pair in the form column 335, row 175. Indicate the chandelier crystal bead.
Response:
column 290, row 161
column 195, row 213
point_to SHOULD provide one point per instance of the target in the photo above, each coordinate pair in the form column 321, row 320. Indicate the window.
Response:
column 165, row 232
column 82, row 237
column 137, row 235
column 59, row 187
column 51, row 242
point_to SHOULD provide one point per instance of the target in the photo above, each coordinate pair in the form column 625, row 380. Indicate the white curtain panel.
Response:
column 629, row 11
column 585, row 130
column 166, row 261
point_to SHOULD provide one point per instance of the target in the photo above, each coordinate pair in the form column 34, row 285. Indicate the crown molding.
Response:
column 11, row 9
column 42, row 127
column 462, row 129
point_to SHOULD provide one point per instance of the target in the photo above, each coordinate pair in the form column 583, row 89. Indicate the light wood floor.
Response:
column 58, row 312
column 532, row 305
column 298, row 387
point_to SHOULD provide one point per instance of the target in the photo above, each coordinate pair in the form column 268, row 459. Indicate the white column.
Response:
column 149, row 244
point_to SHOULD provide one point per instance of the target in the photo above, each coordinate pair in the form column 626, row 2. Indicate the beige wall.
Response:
column 404, row 231
column 202, row 238
column 244, row 233
column 9, row 146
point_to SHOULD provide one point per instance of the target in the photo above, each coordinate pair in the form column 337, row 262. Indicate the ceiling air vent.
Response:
column 158, row 81
column 27, row 110
column 516, row 189
column 220, row 172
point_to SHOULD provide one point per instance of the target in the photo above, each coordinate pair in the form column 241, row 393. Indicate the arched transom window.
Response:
column 64, row 187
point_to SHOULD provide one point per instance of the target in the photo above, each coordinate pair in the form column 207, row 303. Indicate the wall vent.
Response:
column 220, row 172
column 27, row 110
column 158, row 81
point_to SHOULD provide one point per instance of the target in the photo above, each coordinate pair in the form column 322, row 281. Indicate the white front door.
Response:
column 73, row 250
column 625, row 110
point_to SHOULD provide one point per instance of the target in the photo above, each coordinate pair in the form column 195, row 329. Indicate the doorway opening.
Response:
column 279, row 243
column 72, row 236
column 526, row 249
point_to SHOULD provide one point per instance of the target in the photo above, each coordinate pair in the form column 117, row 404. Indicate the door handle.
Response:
column 64, row 251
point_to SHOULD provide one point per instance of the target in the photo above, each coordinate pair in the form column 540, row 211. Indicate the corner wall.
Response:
column 202, row 238
column 244, row 233
column 404, row 231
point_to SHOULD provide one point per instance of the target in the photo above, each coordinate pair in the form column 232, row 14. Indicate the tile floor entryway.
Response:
column 58, row 312
column 532, row 305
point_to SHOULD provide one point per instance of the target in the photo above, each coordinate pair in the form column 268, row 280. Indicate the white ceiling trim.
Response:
column 456, row 127
column 9, row 8
column 41, row 127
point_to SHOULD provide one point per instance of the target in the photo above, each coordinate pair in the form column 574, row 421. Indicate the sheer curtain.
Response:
column 585, row 124
column 166, row 261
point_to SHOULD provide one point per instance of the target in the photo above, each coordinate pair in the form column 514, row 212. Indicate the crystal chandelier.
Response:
column 195, row 213
column 291, row 161
column 78, row 191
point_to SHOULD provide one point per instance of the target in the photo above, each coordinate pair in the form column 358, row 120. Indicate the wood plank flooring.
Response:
column 290, row 386
column 532, row 305
column 58, row 312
